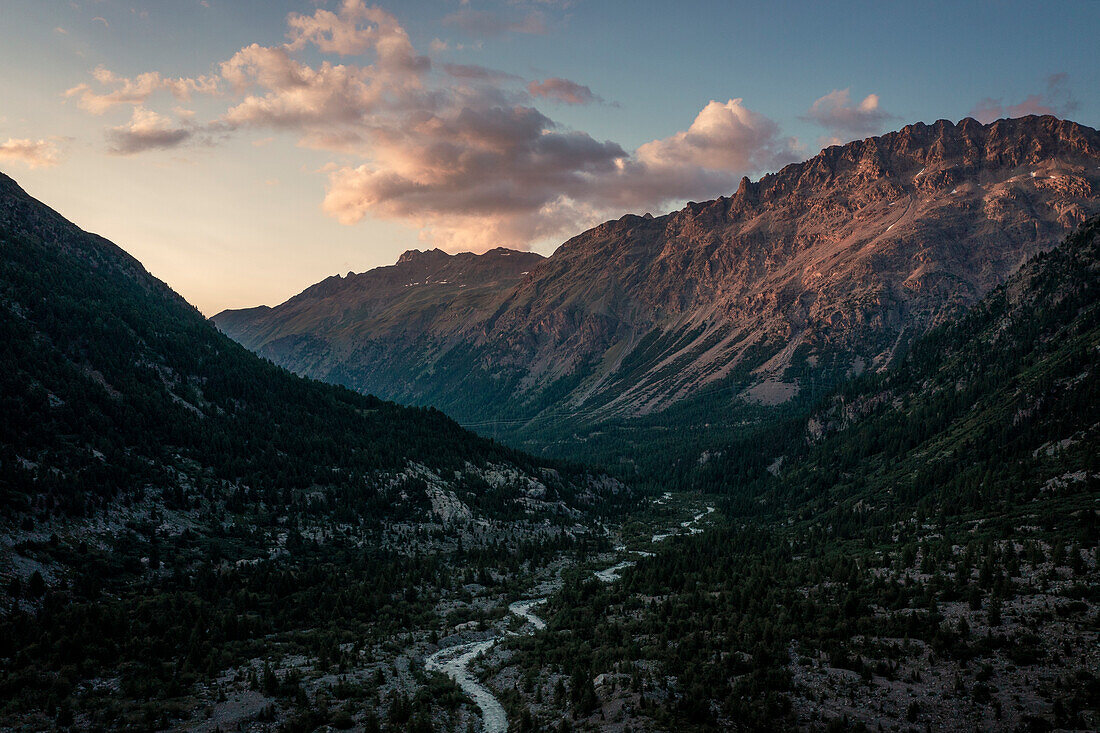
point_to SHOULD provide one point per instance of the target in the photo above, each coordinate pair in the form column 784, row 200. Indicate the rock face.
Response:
column 425, row 296
column 822, row 270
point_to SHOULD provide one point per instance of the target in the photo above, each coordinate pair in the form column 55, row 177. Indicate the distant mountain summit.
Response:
column 425, row 294
column 823, row 270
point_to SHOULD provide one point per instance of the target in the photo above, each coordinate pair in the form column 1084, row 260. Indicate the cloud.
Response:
column 354, row 30
column 1033, row 104
column 844, row 121
column 484, row 23
column 1056, row 100
column 459, row 151
column 726, row 136
column 297, row 94
column 146, row 130
column 477, row 179
column 562, row 90
column 137, row 90
column 500, row 163
column 33, row 153
column 987, row 110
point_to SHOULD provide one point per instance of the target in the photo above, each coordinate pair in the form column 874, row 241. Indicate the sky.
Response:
column 245, row 149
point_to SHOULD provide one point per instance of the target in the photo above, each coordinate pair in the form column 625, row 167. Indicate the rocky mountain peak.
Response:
column 416, row 256
column 827, row 266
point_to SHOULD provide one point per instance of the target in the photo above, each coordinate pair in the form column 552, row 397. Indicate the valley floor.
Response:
column 959, row 635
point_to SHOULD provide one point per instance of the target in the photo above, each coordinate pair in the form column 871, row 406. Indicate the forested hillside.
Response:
column 112, row 385
column 981, row 413
column 926, row 554
column 174, row 506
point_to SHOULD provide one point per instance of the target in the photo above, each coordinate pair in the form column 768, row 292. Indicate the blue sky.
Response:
column 341, row 133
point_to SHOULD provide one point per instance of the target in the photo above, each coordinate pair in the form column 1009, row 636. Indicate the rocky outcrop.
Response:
column 819, row 271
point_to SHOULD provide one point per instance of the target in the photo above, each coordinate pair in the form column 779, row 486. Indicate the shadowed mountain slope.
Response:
column 115, row 389
column 794, row 283
column 928, row 538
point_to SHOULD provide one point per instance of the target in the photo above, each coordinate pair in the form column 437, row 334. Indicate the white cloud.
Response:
column 33, row 153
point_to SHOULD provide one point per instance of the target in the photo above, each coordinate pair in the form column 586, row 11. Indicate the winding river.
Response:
column 454, row 661
column 523, row 610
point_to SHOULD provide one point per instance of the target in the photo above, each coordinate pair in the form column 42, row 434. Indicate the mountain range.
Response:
column 767, row 297
column 903, row 477
column 922, row 554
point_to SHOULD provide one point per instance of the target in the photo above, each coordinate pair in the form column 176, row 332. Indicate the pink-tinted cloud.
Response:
column 459, row 152
column 562, row 90
column 137, row 90
column 354, row 30
column 1033, row 104
column 282, row 92
column 32, row 153
column 987, row 110
column 146, row 130
column 1056, row 100
column 844, row 120
column 476, row 179
column 472, row 72
column 727, row 136
column 500, row 166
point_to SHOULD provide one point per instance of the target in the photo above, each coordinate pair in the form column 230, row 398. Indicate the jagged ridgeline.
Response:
column 924, row 554
column 115, row 389
column 682, row 328
column 992, row 414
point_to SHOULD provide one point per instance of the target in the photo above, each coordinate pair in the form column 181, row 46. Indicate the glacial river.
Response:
column 454, row 661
